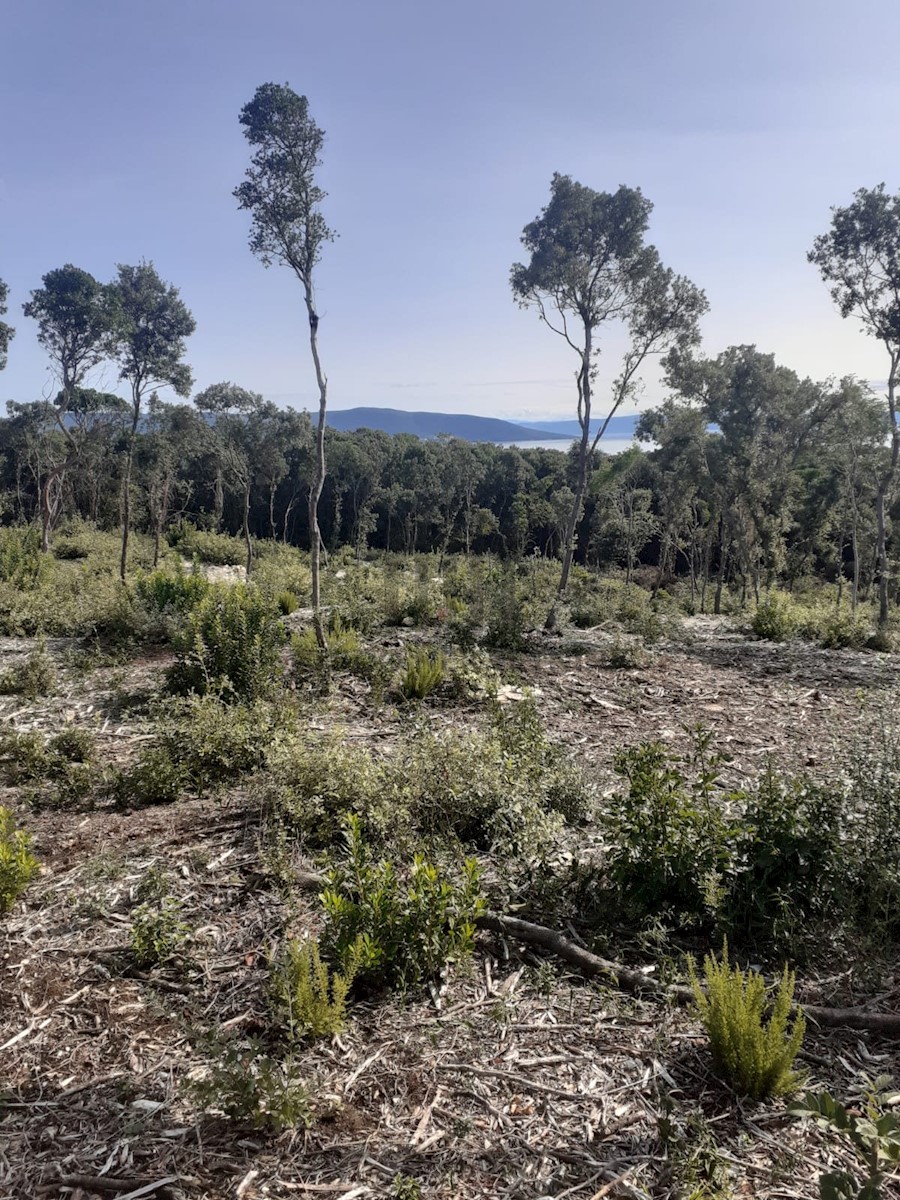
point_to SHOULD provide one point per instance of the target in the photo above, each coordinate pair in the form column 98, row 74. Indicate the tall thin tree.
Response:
column 75, row 323
column 859, row 257
column 590, row 267
column 152, row 324
column 287, row 227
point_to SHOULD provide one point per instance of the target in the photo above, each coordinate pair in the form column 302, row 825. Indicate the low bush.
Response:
column 157, row 931
column 872, row 1130
column 18, row 866
column 507, row 787
column 249, row 1086
column 391, row 934
column 219, row 549
column 422, row 674
column 755, row 1056
column 175, row 591
column 33, row 678
column 287, row 603
column 775, row 618
column 230, row 644
column 309, row 998
column 671, row 844
column 790, row 872
column 22, row 564
column 65, row 761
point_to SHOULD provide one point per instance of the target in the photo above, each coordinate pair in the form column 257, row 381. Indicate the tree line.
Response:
column 755, row 475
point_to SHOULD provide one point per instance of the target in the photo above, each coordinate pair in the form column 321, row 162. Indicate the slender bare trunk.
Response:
column 884, row 485
column 581, row 481
column 315, row 491
column 246, row 527
column 126, row 486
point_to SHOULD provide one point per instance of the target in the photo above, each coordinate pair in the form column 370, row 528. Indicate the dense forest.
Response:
column 755, row 477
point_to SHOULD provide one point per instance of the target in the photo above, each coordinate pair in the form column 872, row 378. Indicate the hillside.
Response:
column 433, row 424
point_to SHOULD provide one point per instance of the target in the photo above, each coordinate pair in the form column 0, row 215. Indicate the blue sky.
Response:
column 742, row 123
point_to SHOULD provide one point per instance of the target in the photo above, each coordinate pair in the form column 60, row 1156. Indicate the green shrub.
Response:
column 34, row 677
column 24, row 757
column 66, row 761
column 287, row 603
column 18, row 866
column 775, row 618
column 248, row 1086
column 311, row 999
column 394, row 935
column 508, row 787
column 791, row 866
column 220, row 549
column 152, row 779
column 341, row 645
column 755, row 1056
column 230, row 644
column 171, row 591
column 74, row 745
column 314, row 781
column 157, row 931
column 872, row 1131
column 672, row 847
column 22, row 564
column 423, row 673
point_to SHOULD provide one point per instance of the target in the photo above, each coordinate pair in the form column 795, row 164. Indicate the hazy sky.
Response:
column 743, row 123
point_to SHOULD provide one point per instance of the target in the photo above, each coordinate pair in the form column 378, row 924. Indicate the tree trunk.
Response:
column 584, row 418
column 315, row 491
column 246, row 527
column 883, row 489
column 126, row 486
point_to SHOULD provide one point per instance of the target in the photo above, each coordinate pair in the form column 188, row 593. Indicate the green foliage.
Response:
column 230, row 644
column 775, row 618
column 33, row 678
column 698, row 1167
column 73, row 745
column 388, row 934
column 287, row 603
column 341, row 651
column 314, row 781
column 152, row 779
column 248, row 1086
column 202, row 743
column 423, row 673
column 671, row 843
column 873, row 1132
column 219, row 549
column 157, row 931
column 404, row 1187
column 311, row 999
column 791, row 865
column 22, row 565
column 18, row 866
column 508, row 787
column 755, row 1056
column 171, row 592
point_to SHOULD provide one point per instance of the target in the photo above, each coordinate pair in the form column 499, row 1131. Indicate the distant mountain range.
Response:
column 469, row 428
column 618, row 428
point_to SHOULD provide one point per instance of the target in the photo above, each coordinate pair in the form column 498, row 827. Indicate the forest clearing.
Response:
column 142, row 1031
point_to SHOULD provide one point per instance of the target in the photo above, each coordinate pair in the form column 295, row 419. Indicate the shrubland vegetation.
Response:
column 385, row 748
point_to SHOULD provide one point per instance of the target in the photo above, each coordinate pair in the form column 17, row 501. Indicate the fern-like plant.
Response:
column 755, row 1056
column 312, row 999
column 422, row 674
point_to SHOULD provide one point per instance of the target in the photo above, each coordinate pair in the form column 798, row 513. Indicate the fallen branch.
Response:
column 629, row 980
column 125, row 1189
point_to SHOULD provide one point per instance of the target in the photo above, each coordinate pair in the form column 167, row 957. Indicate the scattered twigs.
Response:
column 123, row 1189
column 887, row 1024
